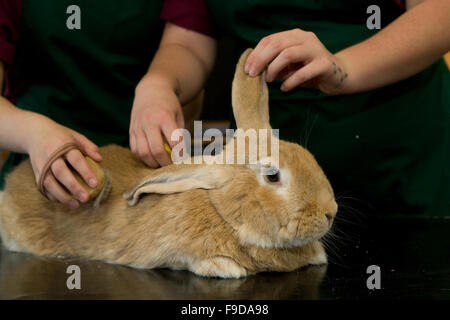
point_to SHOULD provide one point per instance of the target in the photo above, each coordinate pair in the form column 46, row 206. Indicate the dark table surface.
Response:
column 413, row 256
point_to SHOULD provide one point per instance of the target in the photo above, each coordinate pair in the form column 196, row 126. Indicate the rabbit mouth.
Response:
column 301, row 242
column 294, row 243
column 302, row 239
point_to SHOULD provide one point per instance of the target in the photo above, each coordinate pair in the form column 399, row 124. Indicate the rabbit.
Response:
column 215, row 220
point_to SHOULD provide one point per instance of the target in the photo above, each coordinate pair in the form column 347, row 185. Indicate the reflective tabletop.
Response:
column 413, row 257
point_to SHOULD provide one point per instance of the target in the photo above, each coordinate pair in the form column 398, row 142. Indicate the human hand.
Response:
column 156, row 114
column 46, row 136
column 300, row 59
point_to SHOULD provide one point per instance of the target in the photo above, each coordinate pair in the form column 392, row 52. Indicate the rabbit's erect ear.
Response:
column 179, row 178
column 250, row 98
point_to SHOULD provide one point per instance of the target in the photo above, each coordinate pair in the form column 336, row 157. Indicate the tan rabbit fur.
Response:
column 214, row 220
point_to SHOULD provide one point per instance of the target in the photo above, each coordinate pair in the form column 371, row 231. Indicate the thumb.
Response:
column 168, row 128
column 179, row 118
column 87, row 146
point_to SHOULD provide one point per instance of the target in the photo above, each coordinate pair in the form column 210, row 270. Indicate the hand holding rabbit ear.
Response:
column 300, row 59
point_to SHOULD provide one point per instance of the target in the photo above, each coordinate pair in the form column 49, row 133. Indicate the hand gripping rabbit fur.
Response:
column 215, row 220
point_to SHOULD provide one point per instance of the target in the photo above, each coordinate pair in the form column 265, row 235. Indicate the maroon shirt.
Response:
column 189, row 14
column 10, row 13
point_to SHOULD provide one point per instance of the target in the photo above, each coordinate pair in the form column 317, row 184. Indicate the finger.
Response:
column 179, row 118
column 168, row 131
column 87, row 146
column 168, row 128
column 269, row 47
column 55, row 191
column 79, row 163
column 181, row 136
column 63, row 174
column 286, row 58
column 180, row 123
column 50, row 196
column 304, row 74
column 143, row 151
column 156, row 144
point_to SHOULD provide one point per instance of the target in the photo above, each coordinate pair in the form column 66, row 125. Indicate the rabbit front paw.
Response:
column 222, row 267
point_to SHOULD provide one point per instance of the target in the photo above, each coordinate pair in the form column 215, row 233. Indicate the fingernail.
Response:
column 247, row 66
column 252, row 72
column 73, row 204
column 92, row 183
column 83, row 197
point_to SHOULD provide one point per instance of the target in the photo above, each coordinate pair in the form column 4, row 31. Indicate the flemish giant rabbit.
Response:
column 215, row 220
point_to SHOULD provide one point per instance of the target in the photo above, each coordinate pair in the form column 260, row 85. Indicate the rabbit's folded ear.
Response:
column 250, row 98
column 179, row 178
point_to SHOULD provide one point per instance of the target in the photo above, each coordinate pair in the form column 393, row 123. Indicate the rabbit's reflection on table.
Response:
column 24, row 276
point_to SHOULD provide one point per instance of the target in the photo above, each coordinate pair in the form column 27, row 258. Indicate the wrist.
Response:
column 347, row 86
column 32, row 123
column 153, row 81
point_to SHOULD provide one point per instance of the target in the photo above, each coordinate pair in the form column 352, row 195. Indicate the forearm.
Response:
column 14, row 125
column 182, row 62
column 407, row 46
column 176, row 67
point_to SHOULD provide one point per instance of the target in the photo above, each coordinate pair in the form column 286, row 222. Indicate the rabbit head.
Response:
column 282, row 199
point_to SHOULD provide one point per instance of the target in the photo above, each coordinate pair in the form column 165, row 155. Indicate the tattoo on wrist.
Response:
column 339, row 73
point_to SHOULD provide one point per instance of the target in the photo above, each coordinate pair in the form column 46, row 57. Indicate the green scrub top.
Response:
column 388, row 148
column 85, row 79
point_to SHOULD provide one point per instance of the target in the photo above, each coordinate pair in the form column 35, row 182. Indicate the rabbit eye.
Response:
column 273, row 177
column 271, row 174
